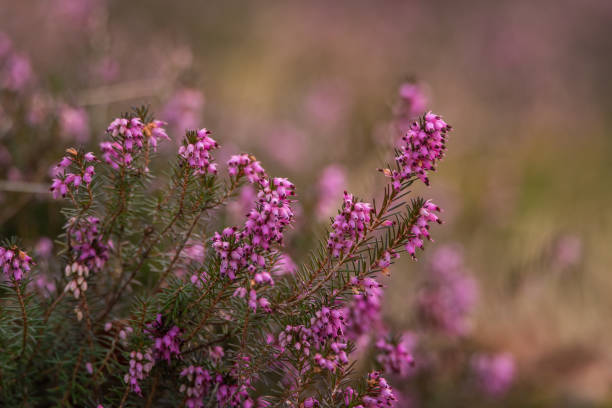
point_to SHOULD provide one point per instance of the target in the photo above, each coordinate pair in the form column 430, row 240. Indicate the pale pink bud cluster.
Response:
column 141, row 364
column 349, row 226
column 379, row 393
column 14, row 263
column 166, row 339
column 247, row 165
column 420, row 229
column 196, row 150
column 396, row 358
column 198, row 385
column 72, row 172
column 422, row 147
column 78, row 274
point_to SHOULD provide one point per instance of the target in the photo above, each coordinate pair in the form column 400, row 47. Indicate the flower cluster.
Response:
column 227, row 246
column 349, row 226
column 141, row 364
column 449, row 294
column 248, row 248
column 78, row 282
column 14, row 262
column 198, row 384
column 87, row 244
column 325, row 335
column 396, row 358
column 422, row 147
column 196, row 150
column 64, row 179
column 166, row 339
column 363, row 313
column 272, row 213
column 129, row 136
column 379, row 393
column 420, row 228
column 494, row 373
column 247, row 165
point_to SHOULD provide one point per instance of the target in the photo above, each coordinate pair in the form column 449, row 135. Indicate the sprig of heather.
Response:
column 238, row 327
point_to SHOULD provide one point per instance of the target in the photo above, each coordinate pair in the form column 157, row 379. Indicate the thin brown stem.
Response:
column 24, row 317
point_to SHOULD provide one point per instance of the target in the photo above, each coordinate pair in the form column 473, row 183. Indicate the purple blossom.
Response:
column 494, row 373
column 196, row 150
column 422, row 147
column 15, row 263
column 363, row 313
column 87, row 244
column 396, row 358
column 244, row 164
column 166, row 339
column 420, row 228
column 349, row 226
column 311, row 402
column 379, row 393
column 72, row 172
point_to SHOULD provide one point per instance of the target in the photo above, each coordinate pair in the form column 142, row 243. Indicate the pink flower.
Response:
column 140, row 365
column 420, row 229
column 196, row 151
column 184, row 109
column 422, row 147
column 397, row 357
column 349, row 226
column 331, row 182
column 494, row 373
column 74, row 123
column 15, row 263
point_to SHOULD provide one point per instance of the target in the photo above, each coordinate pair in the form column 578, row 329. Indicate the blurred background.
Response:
column 319, row 92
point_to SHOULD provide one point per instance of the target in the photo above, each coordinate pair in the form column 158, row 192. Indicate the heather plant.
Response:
column 155, row 302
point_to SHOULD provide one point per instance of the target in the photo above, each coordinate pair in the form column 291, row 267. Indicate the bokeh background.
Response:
column 311, row 88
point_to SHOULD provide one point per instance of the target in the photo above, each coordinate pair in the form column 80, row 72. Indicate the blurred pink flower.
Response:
column 449, row 295
column 285, row 265
column 329, row 190
column 17, row 73
column 107, row 69
column 568, row 251
column 326, row 103
column 494, row 373
column 183, row 111
column 74, row 123
column 44, row 247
